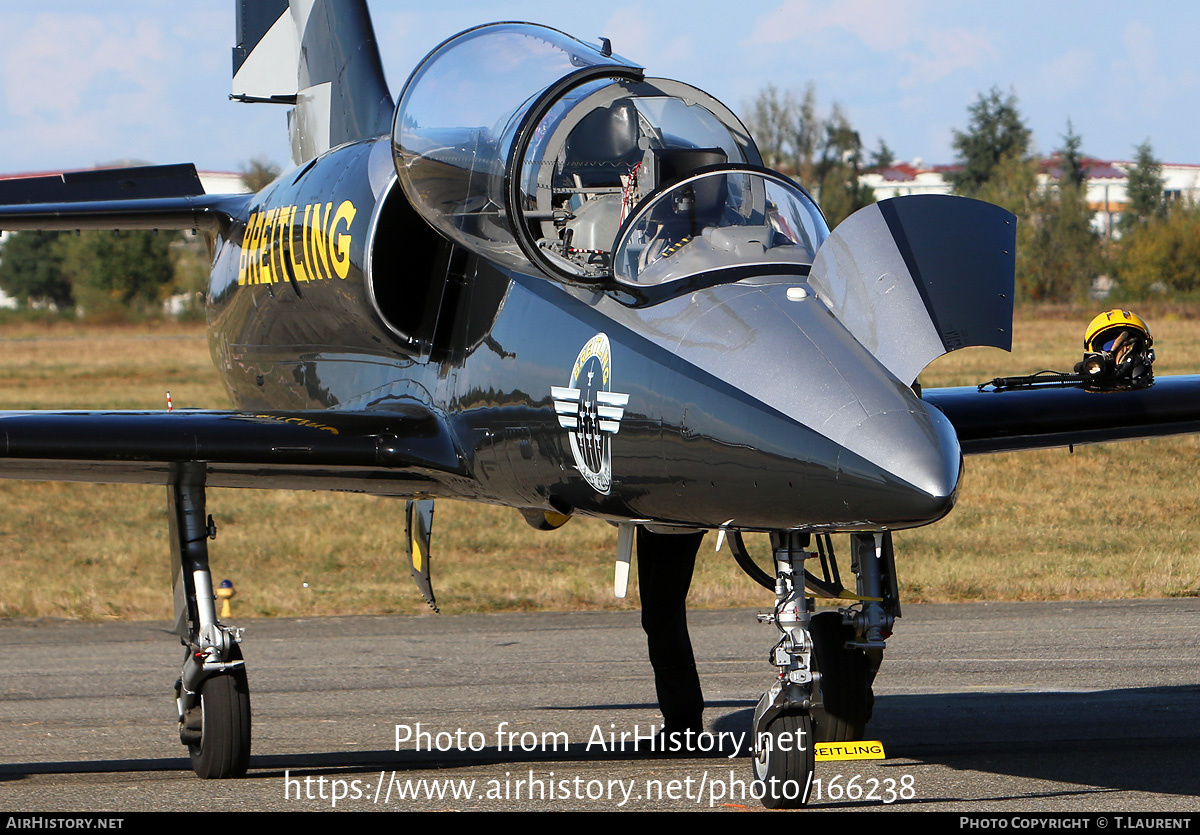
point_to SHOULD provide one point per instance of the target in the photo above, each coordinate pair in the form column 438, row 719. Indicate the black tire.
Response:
column 783, row 768
column 224, row 747
column 846, row 696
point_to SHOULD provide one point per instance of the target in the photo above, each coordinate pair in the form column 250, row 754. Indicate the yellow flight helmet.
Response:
column 1108, row 325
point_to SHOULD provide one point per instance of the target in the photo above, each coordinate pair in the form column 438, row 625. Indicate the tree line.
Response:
column 99, row 272
column 823, row 152
column 1155, row 250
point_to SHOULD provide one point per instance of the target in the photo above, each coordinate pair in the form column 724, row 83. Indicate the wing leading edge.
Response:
column 396, row 452
column 1000, row 421
column 143, row 197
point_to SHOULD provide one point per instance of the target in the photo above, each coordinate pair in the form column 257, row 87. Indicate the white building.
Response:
column 1105, row 185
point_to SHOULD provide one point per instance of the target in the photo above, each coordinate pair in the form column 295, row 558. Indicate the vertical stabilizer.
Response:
column 320, row 56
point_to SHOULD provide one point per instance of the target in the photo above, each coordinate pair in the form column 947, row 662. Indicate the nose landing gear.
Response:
column 825, row 662
column 782, row 729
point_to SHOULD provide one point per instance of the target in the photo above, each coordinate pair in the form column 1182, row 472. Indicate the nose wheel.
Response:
column 846, row 698
column 783, row 760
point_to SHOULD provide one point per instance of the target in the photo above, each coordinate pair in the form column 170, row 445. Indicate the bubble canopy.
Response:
column 530, row 147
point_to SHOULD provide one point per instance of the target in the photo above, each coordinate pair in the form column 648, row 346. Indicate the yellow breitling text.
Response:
column 309, row 243
column 299, row 421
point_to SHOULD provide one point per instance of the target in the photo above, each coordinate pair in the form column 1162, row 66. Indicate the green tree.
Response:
column 770, row 116
column 31, row 270
column 1159, row 247
column 1058, row 252
column 1143, row 190
column 882, row 157
column 824, row 154
column 996, row 132
column 806, row 130
column 1062, row 249
column 787, row 130
column 838, row 170
column 1161, row 255
column 259, row 173
column 1071, row 160
column 112, row 273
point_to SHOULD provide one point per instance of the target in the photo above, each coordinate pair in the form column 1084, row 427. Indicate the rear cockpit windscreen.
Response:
column 718, row 219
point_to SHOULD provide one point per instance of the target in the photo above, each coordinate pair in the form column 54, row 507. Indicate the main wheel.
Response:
column 224, row 747
column 846, row 696
column 783, row 761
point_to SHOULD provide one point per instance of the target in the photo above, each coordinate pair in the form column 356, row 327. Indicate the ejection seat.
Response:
column 599, row 159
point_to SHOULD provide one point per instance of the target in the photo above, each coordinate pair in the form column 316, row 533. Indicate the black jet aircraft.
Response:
column 546, row 280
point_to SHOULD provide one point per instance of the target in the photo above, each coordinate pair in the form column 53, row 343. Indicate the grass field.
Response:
column 1104, row 522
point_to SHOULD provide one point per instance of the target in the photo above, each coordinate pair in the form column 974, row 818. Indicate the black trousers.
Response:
column 665, row 565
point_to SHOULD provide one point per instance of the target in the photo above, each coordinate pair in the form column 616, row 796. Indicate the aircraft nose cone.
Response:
column 917, row 460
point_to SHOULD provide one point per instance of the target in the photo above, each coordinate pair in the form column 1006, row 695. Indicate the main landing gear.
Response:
column 826, row 662
column 212, row 695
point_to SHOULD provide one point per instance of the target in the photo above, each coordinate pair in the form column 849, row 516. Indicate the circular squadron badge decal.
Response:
column 591, row 411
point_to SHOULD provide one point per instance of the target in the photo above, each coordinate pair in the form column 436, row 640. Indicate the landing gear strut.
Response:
column 782, row 730
column 211, row 694
column 826, row 662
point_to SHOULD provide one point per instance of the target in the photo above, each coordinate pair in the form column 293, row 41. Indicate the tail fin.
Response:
column 319, row 56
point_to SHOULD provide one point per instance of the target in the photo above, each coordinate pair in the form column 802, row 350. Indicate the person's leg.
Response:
column 665, row 564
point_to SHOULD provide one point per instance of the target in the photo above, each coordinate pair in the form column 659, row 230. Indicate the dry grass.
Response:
column 1106, row 521
column 63, row 365
column 1112, row 521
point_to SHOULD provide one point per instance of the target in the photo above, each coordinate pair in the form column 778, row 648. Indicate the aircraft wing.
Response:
column 1012, row 419
column 395, row 452
column 404, row 450
column 144, row 197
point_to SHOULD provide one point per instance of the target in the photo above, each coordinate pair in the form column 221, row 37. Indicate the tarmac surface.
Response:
column 981, row 708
